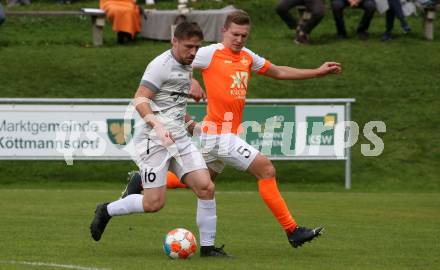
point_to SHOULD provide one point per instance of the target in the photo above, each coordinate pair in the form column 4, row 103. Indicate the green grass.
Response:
column 396, row 82
column 363, row 231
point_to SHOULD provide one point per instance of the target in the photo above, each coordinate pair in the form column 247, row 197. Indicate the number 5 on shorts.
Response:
column 244, row 151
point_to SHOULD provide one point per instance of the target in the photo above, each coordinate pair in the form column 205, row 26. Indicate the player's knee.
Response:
column 153, row 206
column 206, row 191
column 262, row 168
column 268, row 171
column 265, row 172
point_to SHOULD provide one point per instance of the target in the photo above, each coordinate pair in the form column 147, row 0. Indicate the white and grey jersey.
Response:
column 171, row 81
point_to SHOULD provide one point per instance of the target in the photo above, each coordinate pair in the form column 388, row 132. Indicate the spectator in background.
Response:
column 315, row 7
column 178, row 20
column 369, row 7
column 125, row 16
column 2, row 14
column 394, row 10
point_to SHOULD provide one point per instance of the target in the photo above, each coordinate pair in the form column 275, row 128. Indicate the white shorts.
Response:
column 221, row 149
column 154, row 160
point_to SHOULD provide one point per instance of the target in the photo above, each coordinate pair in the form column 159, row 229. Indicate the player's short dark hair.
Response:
column 239, row 17
column 187, row 30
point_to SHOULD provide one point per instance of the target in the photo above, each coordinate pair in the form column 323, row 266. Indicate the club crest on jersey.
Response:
column 244, row 61
column 120, row 131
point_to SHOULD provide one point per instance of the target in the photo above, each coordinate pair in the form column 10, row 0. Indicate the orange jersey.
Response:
column 226, row 75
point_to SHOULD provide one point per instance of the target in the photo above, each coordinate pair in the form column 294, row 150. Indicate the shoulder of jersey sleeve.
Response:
column 259, row 64
column 163, row 59
column 204, row 55
column 210, row 48
column 251, row 53
column 160, row 65
column 156, row 71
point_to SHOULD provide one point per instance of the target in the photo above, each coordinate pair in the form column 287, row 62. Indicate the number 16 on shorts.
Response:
column 150, row 178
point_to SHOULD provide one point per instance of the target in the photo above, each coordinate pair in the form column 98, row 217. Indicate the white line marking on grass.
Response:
column 54, row 265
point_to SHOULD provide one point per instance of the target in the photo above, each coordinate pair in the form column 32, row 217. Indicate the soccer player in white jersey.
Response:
column 226, row 68
column 163, row 143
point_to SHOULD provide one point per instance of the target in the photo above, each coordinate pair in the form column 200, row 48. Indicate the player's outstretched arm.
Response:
column 290, row 73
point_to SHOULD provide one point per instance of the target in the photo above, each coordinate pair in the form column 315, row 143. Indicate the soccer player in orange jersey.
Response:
column 226, row 68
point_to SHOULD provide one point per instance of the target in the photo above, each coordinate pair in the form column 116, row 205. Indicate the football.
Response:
column 180, row 244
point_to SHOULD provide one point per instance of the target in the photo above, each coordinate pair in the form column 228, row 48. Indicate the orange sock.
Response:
column 173, row 181
column 271, row 196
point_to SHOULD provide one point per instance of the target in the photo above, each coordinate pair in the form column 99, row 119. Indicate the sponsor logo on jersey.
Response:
column 239, row 84
column 239, row 80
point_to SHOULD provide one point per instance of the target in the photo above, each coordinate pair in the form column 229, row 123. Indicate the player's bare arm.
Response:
column 142, row 99
column 290, row 73
column 194, row 128
column 190, row 123
column 196, row 92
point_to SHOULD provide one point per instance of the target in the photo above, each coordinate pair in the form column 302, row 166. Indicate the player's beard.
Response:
column 187, row 61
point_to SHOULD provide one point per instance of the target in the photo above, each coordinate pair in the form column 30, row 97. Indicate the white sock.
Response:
column 207, row 221
column 129, row 205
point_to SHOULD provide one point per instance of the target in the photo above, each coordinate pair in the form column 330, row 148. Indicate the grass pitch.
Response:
column 363, row 231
